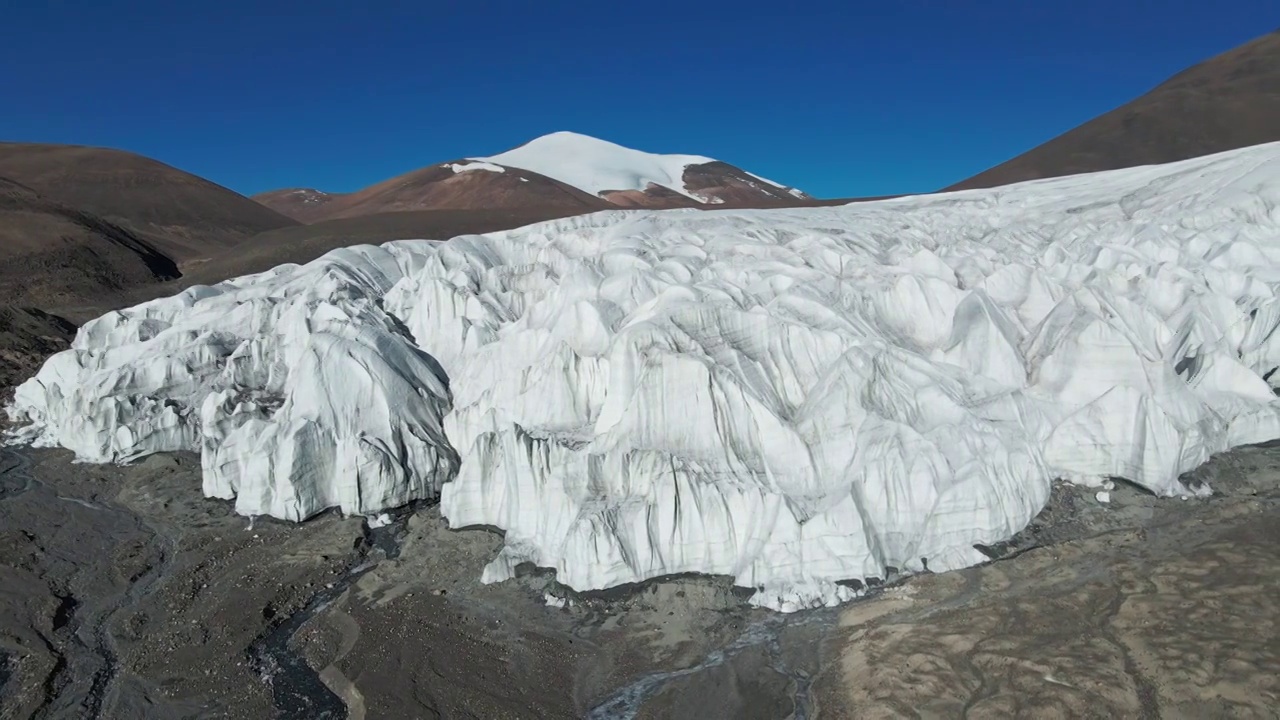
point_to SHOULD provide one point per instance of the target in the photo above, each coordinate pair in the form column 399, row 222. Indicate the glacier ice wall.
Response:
column 298, row 389
column 789, row 397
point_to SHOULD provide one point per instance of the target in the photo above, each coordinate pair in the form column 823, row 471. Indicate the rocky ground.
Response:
column 125, row 593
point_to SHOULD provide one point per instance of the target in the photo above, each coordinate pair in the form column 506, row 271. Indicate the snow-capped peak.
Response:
column 595, row 166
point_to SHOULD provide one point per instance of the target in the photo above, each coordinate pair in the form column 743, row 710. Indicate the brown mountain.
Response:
column 719, row 184
column 304, row 243
column 54, row 255
column 458, row 185
column 306, row 205
column 734, row 186
column 181, row 215
column 562, row 172
column 82, row 229
column 1227, row 102
column 27, row 337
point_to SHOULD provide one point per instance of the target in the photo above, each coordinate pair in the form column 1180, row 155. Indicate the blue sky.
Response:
column 840, row 99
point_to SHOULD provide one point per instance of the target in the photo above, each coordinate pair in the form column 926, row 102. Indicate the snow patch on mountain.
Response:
column 475, row 165
column 794, row 192
column 597, row 166
column 767, row 181
column 790, row 397
column 310, row 196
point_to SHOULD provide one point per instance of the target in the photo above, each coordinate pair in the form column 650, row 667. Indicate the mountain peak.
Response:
column 569, row 140
column 598, row 166
column 563, row 170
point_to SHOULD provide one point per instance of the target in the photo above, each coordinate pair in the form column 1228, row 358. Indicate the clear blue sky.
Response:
column 838, row 98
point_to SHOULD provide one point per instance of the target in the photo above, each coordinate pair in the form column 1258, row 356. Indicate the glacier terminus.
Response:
column 795, row 397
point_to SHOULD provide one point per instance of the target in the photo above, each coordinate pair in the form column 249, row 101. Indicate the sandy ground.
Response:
column 124, row 593
column 1144, row 608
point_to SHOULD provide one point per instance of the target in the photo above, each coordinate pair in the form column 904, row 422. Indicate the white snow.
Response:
column 475, row 165
column 596, row 166
column 794, row 192
column 310, row 196
column 789, row 397
column 780, row 186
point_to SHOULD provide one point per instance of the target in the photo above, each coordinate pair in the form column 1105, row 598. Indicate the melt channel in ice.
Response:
column 789, row 397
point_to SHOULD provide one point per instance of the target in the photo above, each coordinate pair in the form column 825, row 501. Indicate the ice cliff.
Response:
column 789, row 397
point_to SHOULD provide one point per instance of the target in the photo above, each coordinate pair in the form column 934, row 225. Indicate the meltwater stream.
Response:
column 297, row 691
column 625, row 703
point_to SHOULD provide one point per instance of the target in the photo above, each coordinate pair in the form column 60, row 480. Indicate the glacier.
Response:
column 794, row 398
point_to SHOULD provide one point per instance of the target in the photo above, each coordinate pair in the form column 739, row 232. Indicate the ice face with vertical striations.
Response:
column 789, row 397
column 297, row 388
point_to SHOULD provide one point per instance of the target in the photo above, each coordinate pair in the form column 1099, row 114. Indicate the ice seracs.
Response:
column 297, row 388
column 793, row 398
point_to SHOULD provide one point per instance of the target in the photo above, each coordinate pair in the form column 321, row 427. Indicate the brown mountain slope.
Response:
column 27, row 337
column 304, row 243
column 59, row 258
column 182, row 215
column 1227, row 102
column 733, row 185
column 306, row 205
column 439, row 187
column 654, row 197
column 52, row 255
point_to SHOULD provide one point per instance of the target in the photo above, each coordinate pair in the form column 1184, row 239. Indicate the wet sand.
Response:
column 124, row 593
